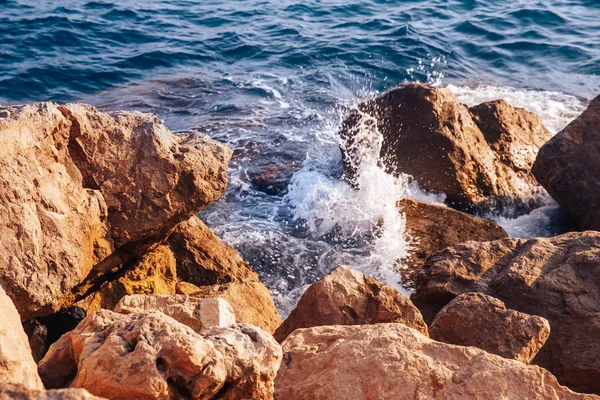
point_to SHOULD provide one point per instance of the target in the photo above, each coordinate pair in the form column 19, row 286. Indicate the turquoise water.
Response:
column 273, row 79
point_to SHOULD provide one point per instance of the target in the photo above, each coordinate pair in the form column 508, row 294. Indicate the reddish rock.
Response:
column 556, row 278
column 475, row 319
column 568, row 166
column 432, row 227
column 17, row 392
column 347, row 297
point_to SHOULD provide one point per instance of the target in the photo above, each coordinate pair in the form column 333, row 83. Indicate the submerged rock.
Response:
column 556, row 278
column 432, row 227
column 150, row 355
column 17, row 392
column 16, row 363
column 568, row 166
column 393, row 361
column 83, row 191
column 475, row 319
column 478, row 157
column 347, row 297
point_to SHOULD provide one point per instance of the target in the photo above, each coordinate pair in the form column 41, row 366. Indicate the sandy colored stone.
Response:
column 568, row 166
column 150, row 355
column 428, row 134
column 194, row 312
column 251, row 301
column 432, row 227
column 556, row 278
column 393, row 361
column 348, row 297
column 17, row 392
column 155, row 273
column 476, row 319
column 203, row 259
column 16, row 362
column 80, row 187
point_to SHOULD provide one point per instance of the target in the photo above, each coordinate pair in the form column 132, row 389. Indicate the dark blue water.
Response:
column 274, row 78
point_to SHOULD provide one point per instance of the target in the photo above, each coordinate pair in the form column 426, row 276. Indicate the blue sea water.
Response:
column 273, row 80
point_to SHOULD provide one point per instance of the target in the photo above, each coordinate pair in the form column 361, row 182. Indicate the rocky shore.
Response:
column 112, row 287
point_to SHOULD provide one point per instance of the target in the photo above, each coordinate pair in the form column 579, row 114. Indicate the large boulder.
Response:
column 18, row 392
column 479, row 158
column 80, row 187
column 476, row 319
column 152, row 356
column 194, row 312
column 432, row 227
column 348, row 297
column 393, row 361
column 251, row 301
column 16, row 362
column 568, row 166
column 556, row 278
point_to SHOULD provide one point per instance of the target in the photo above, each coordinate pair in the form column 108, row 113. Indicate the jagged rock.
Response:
column 475, row 319
column 347, row 297
column 17, row 392
column 393, row 361
column 251, row 301
column 150, row 355
column 428, row 134
column 16, row 363
column 568, row 166
column 556, row 278
column 273, row 179
column 194, row 312
column 203, row 259
column 37, row 334
column 433, row 227
column 80, row 188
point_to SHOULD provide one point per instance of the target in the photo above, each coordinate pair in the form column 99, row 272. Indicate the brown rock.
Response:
column 17, row 392
column 393, row 361
column 556, row 278
column 347, row 297
column 475, row 319
column 433, row 227
column 150, row 355
column 16, row 363
column 78, row 184
column 568, row 166
column 251, row 302
column 203, row 259
column 428, row 134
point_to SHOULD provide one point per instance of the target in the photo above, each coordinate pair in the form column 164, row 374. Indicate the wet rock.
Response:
column 568, row 166
column 273, row 179
column 194, row 312
column 475, row 319
column 251, row 301
column 393, row 361
column 80, row 188
column 17, row 392
column 16, row 363
column 433, row 227
column 428, row 134
column 556, row 278
column 347, row 297
column 151, row 355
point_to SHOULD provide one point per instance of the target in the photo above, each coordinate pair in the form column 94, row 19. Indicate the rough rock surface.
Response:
column 17, row 392
column 251, row 301
column 348, row 297
column 194, row 312
column 556, row 278
column 78, row 184
column 433, row 227
column 150, row 355
column 428, row 134
column 393, row 361
column 16, row 362
column 568, row 166
column 476, row 319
